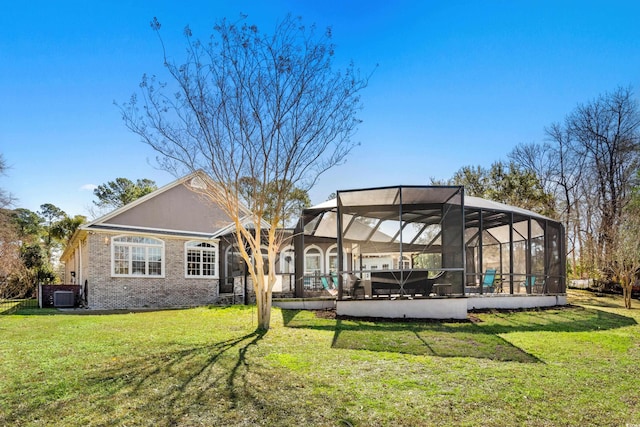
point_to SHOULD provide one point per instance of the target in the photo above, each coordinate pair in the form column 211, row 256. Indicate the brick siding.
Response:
column 173, row 290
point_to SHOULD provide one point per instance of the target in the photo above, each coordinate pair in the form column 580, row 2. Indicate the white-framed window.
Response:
column 332, row 260
column 137, row 256
column 201, row 259
column 287, row 260
column 406, row 262
column 312, row 260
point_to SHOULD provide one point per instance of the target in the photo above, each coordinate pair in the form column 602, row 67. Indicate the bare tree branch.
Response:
column 246, row 104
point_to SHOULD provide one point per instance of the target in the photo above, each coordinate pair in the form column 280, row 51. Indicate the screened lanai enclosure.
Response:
column 430, row 242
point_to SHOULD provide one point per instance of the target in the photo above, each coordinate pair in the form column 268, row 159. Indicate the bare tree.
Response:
column 247, row 104
column 625, row 259
column 588, row 163
column 10, row 261
column 559, row 172
column 6, row 199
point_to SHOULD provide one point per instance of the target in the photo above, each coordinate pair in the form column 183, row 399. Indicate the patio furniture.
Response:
column 442, row 289
column 325, row 284
column 534, row 286
column 540, row 287
column 387, row 283
column 334, row 278
column 488, row 280
column 354, row 286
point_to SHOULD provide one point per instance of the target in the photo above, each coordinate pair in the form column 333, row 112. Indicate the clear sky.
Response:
column 458, row 82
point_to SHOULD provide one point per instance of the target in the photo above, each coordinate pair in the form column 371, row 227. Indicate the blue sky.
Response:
column 458, row 82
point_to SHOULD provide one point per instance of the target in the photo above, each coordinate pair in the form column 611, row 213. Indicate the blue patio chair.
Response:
column 325, row 284
column 488, row 280
column 529, row 284
column 335, row 281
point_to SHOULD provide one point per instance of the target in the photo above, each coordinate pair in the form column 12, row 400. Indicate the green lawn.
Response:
column 575, row 366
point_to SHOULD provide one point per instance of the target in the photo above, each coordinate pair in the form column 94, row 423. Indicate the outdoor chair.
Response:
column 540, row 287
column 489, row 280
column 325, row 284
column 534, row 286
column 529, row 284
column 354, row 286
column 334, row 278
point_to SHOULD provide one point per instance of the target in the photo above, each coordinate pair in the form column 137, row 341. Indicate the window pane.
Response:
column 120, row 260
column 136, row 255
column 208, row 270
column 121, row 267
column 208, row 263
column 312, row 262
column 193, row 262
column 201, row 262
column 155, row 268
column 138, row 267
column 154, row 254
column 121, row 253
column 333, row 263
column 138, row 260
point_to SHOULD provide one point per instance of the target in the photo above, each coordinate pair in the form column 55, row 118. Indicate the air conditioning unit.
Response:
column 63, row 299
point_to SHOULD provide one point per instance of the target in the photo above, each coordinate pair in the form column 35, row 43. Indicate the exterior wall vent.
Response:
column 63, row 299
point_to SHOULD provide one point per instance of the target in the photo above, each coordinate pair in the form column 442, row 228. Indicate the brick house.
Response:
column 170, row 248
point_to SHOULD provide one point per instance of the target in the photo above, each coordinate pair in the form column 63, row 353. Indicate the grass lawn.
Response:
column 575, row 366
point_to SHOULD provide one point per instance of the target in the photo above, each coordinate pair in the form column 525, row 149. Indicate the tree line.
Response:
column 585, row 174
column 31, row 242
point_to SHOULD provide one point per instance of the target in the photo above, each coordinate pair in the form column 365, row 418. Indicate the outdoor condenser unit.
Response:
column 63, row 299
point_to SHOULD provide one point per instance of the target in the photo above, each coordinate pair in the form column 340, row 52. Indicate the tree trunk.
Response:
column 263, row 303
column 627, row 287
column 627, row 296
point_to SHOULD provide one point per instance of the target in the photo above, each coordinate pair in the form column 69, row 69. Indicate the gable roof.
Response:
column 172, row 209
column 176, row 209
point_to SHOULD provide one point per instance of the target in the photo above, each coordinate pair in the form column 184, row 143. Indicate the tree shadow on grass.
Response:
column 480, row 339
column 168, row 387
column 596, row 299
column 416, row 339
column 224, row 382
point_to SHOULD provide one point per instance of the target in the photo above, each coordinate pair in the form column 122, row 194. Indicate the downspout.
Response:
column 79, row 274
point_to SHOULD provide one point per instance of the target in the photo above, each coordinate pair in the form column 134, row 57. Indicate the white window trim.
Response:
column 345, row 260
column 214, row 249
column 163, row 260
column 307, row 249
column 287, row 249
